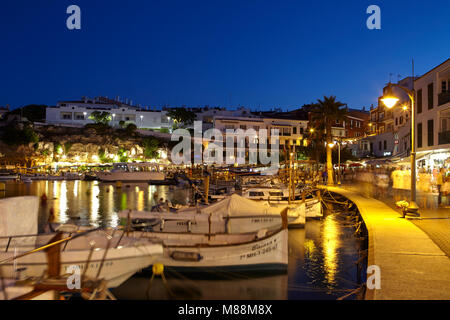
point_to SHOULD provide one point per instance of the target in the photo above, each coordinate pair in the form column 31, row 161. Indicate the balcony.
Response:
column 443, row 98
column 444, row 137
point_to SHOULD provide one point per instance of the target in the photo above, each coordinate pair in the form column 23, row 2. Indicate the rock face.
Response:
column 77, row 145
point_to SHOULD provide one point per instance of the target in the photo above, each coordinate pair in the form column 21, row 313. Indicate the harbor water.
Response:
column 321, row 255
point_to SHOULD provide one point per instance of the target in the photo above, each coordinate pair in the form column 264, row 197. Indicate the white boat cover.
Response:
column 19, row 216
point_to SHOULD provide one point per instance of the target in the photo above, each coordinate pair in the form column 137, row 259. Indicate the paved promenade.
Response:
column 412, row 265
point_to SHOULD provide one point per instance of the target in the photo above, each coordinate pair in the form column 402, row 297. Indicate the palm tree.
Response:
column 324, row 115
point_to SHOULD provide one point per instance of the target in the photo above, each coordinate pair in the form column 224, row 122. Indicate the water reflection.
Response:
column 321, row 255
column 330, row 245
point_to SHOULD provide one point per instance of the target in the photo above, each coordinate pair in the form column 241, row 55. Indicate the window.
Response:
column 419, row 135
column 242, row 126
column 256, row 194
column 444, row 86
column 430, row 96
column 419, row 101
column 401, row 119
column 396, row 121
column 275, row 194
column 66, row 116
column 301, row 130
column 430, row 133
column 379, row 145
column 294, row 130
column 384, row 145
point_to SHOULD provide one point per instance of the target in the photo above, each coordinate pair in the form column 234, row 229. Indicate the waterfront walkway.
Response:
column 412, row 265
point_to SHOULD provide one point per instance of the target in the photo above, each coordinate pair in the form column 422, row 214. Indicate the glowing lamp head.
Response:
column 389, row 102
column 389, row 99
column 331, row 145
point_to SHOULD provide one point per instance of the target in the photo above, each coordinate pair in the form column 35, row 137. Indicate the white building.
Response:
column 433, row 117
column 76, row 113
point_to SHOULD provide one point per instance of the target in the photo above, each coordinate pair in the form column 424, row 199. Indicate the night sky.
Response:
column 259, row 54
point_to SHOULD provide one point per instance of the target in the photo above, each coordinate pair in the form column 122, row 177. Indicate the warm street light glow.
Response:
column 389, row 102
column 311, row 130
column 405, row 107
column 389, row 99
column 331, row 145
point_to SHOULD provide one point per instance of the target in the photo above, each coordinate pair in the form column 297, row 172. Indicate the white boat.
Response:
column 257, row 251
column 313, row 207
column 8, row 176
column 113, row 256
column 132, row 172
column 234, row 214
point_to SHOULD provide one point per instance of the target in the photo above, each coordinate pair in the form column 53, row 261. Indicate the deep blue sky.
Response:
column 267, row 53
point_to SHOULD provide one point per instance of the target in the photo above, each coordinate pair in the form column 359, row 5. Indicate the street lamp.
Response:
column 389, row 100
column 142, row 117
column 331, row 145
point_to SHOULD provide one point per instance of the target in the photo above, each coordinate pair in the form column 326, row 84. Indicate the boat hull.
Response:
column 269, row 253
column 118, row 266
column 131, row 176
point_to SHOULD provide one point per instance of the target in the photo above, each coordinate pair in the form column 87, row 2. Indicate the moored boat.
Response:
column 313, row 206
column 133, row 172
column 234, row 214
column 106, row 254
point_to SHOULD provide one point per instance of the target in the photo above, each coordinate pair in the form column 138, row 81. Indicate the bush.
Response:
column 15, row 136
column 131, row 129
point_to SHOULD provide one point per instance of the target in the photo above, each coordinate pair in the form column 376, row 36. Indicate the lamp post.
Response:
column 390, row 101
column 331, row 145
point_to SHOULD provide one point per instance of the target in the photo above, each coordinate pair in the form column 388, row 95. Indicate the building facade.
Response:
column 77, row 113
column 433, row 117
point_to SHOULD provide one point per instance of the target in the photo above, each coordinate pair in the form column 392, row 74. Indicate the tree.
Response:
column 182, row 115
column 151, row 146
column 324, row 115
column 15, row 135
column 102, row 117
column 130, row 129
column 32, row 112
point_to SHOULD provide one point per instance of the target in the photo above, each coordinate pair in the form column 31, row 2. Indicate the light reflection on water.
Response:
column 321, row 255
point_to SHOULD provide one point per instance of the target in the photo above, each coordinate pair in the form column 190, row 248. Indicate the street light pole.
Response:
column 339, row 163
column 390, row 101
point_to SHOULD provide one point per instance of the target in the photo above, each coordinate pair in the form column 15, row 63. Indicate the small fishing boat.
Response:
column 313, row 207
column 8, row 176
column 234, row 214
column 264, row 250
column 133, row 172
column 106, row 254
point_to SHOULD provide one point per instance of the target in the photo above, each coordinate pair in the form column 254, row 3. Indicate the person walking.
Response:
column 325, row 176
column 440, row 183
